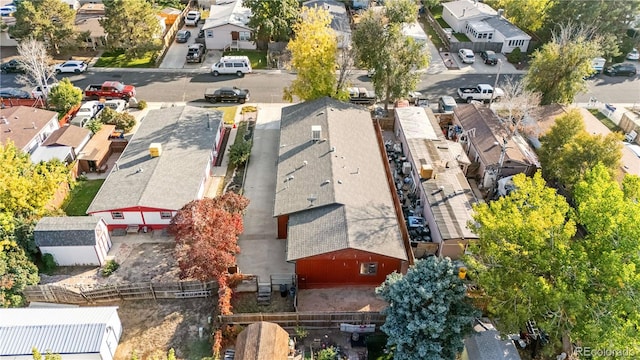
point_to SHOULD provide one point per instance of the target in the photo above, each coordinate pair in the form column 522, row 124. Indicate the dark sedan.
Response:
column 624, row 69
column 13, row 93
column 183, row 36
column 12, row 66
column 489, row 57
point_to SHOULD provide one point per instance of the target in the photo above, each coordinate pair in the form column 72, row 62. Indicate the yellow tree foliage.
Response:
column 526, row 14
column 313, row 56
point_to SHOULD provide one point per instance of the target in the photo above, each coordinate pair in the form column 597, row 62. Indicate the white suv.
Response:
column 192, row 18
column 466, row 56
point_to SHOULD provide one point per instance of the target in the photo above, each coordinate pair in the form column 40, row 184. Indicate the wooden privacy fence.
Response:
column 114, row 292
column 308, row 320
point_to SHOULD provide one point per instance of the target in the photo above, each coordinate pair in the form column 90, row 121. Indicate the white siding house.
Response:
column 459, row 13
column 226, row 27
column 340, row 22
column 27, row 126
column 73, row 240
column 83, row 333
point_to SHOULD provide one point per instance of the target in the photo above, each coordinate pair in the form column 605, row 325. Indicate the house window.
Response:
column 165, row 215
column 245, row 36
column 209, row 33
column 369, row 268
column 490, row 36
column 117, row 215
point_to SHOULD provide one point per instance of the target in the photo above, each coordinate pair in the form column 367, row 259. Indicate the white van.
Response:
column 238, row 65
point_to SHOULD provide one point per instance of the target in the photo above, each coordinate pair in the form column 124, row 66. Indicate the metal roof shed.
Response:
column 75, row 333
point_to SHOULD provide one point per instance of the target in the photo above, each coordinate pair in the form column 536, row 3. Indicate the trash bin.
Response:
column 283, row 290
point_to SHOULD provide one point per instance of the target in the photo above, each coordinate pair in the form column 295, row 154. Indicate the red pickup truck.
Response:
column 109, row 90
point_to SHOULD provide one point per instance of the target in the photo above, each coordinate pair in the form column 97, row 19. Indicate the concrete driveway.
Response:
column 176, row 56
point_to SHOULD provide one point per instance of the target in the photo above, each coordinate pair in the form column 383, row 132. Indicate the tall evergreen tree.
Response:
column 49, row 21
column 132, row 26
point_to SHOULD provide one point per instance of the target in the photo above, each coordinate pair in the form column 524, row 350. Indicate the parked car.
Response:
column 627, row 69
column 117, row 105
column 183, row 36
column 42, row 92
column 233, row 94
column 489, row 57
column 200, row 38
column 446, row 104
column 87, row 111
column 71, row 66
column 466, row 56
column 13, row 93
column 633, row 55
column 192, row 18
column 238, row 65
column 7, row 10
column 195, row 53
column 12, row 66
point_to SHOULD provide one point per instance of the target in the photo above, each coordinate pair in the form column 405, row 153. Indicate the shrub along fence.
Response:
column 123, row 291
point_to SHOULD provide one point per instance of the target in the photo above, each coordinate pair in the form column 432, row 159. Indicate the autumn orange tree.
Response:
column 206, row 233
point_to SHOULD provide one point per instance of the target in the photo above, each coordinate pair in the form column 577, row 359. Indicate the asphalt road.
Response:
column 158, row 85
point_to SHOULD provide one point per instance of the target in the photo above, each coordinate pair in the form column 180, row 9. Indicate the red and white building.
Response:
column 165, row 165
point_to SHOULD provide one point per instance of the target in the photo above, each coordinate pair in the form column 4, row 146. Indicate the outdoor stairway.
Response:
column 264, row 293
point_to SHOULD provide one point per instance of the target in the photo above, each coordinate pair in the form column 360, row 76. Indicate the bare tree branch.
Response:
column 33, row 55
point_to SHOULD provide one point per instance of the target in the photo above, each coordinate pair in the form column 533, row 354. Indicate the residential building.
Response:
column 165, row 165
column 27, row 127
column 438, row 168
column 262, row 341
column 340, row 22
column 73, row 240
column 333, row 202
column 494, row 152
column 87, row 333
column 63, row 144
column 226, row 27
column 95, row 154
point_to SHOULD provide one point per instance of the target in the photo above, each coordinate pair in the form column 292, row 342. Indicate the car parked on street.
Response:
column 42, row 92
column 71, row 66
column 192, row 18
column 12, row 66
column 13, row 93
column 466, row 56
column 7, row 10
column 489, row 57
column 183, row 36
column 233, row 94
column 621, row 69
column 633, row 55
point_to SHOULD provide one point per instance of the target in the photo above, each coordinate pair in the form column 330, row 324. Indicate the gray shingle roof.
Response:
column 339, row 18
column 66, row 231
column 61, row 330
column 343, row 174
column 187, row 135
column 507, row 29
column 487, row 345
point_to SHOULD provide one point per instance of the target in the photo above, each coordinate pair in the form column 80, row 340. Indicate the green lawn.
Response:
column 461, row 37
column 605, row 120
column 80, row 197
column 117, row 59
column 258, row 58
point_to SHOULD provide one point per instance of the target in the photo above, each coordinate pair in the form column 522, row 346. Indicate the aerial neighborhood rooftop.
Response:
column 322, row 179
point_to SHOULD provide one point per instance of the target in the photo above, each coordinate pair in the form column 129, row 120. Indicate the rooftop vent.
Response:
column 316, row 132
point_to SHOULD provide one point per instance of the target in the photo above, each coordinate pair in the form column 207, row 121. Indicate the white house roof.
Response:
column 481, row 26
column 48, row 153
column 507, row 29
column 227, row 12
column 61, row 330
column 187, row 137
column 466, row 9
column 415, row 31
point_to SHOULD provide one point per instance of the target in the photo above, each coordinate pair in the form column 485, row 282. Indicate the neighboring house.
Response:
column 439, row 166
column 494, row 152
column 226, row 27
column 481, row 23
column 333, row 202
column 262, row 341
column 165, row 165
column 340, row 22
column 87, row 333
column 170, row 15
column 27, row 127
column 73, row 4
column 63, row 144
column 73, row 240
column 95, row 154
column 91, row 25
column 486, row 343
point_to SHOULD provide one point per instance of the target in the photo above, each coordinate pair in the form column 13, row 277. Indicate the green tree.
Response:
column 380, row 46
column 48, row 355
column 16, row 273
column 49, row 21
column 558, row 68
column 526, row 14
column 132, row 26
column 523, row 258
column 272, row 20
column 631, row 187
column 65, row 96
column 610, row 262
column 123, row 121
column 94, row 125
column 568, row 150
column 313, row 56
column 428, row 314
column 327, row 354
column 240, row 152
